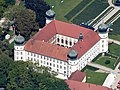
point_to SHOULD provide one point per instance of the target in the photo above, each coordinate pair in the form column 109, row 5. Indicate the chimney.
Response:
column 80, row 37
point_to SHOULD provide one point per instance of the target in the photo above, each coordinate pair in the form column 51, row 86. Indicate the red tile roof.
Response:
column 118, row 86
column 118, row 82
column 77, row 76
column 90, row 38
column 75, row 85
column 47, row 49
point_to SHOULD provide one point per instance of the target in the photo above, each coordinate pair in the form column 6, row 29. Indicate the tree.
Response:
column 10, row 12
column 1, row 8
column 9, row 2
column 19, row 75
column 4, row 5
column 25, row 21
column 39, row 7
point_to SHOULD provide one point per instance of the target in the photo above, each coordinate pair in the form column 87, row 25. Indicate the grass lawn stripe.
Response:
column 82, row 10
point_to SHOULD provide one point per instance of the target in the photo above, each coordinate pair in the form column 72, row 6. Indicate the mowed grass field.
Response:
column 116, row 30
column 93, row 76
column 62, row 9
column 102, row 61
column 91, row 12
column 77, row 11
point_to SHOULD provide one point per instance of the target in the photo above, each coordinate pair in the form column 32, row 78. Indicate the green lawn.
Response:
column 78, row 8
column 95, row 77
column 115, row 36
column 114, row 49
column 116, row 30
column 102, row 61
column 62, row 9
column 91, row 12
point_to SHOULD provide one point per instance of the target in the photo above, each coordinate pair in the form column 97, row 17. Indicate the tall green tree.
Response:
column 25, row 21
column 19, row 75
column 39, row 7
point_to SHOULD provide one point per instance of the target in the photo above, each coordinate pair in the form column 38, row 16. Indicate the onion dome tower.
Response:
column 102, row 28
column 103, row 33
column 19, row 39
column 72, row 54
column 50, row 15
column 73, row 61
column 19, row 53
column 117, row 2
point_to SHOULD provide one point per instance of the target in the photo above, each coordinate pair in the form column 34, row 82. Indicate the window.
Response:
column 31, row 54
column 102, row 45
column 57, row 70
column 28, row 53
column 47, row 63
column 37, row 56
column 64, row 71
column 70, row 43
column 17, row 53
column 21, row 57
column 34, row 55
column 64, row 63
column 53, row 65
column 60, row 66
column 64, row 67
column 58, row 39
column 66, row 42
column 62, row 41
column 57, row 66
column 50, row 64
column 60, row 62
column 17, row 57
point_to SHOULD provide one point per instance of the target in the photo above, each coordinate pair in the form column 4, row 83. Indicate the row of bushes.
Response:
column 113, row 56
column 91, row 12
column 77, row 9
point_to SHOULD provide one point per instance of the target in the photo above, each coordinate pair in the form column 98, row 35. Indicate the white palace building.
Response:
column 61, row 46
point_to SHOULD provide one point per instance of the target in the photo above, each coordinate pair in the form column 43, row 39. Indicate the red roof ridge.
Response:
column 75, row 85
column 77, row 76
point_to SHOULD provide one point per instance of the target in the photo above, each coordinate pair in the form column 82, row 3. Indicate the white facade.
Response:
column 63, row 68
column 104, row 42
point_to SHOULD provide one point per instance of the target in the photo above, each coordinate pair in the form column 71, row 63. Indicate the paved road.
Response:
column 105, row 19
column 117, row 71
column 114, row 41
column 109, row 70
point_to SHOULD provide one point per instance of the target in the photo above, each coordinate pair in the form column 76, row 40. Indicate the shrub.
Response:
column 107, row 62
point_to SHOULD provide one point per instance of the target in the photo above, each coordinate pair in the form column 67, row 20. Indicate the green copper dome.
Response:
column 102, row 28
column 72, row 54
column 50, row 14
column 19, row 39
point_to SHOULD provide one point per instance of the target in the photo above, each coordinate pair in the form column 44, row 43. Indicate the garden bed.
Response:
column 91, row 12
column 77, row 9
